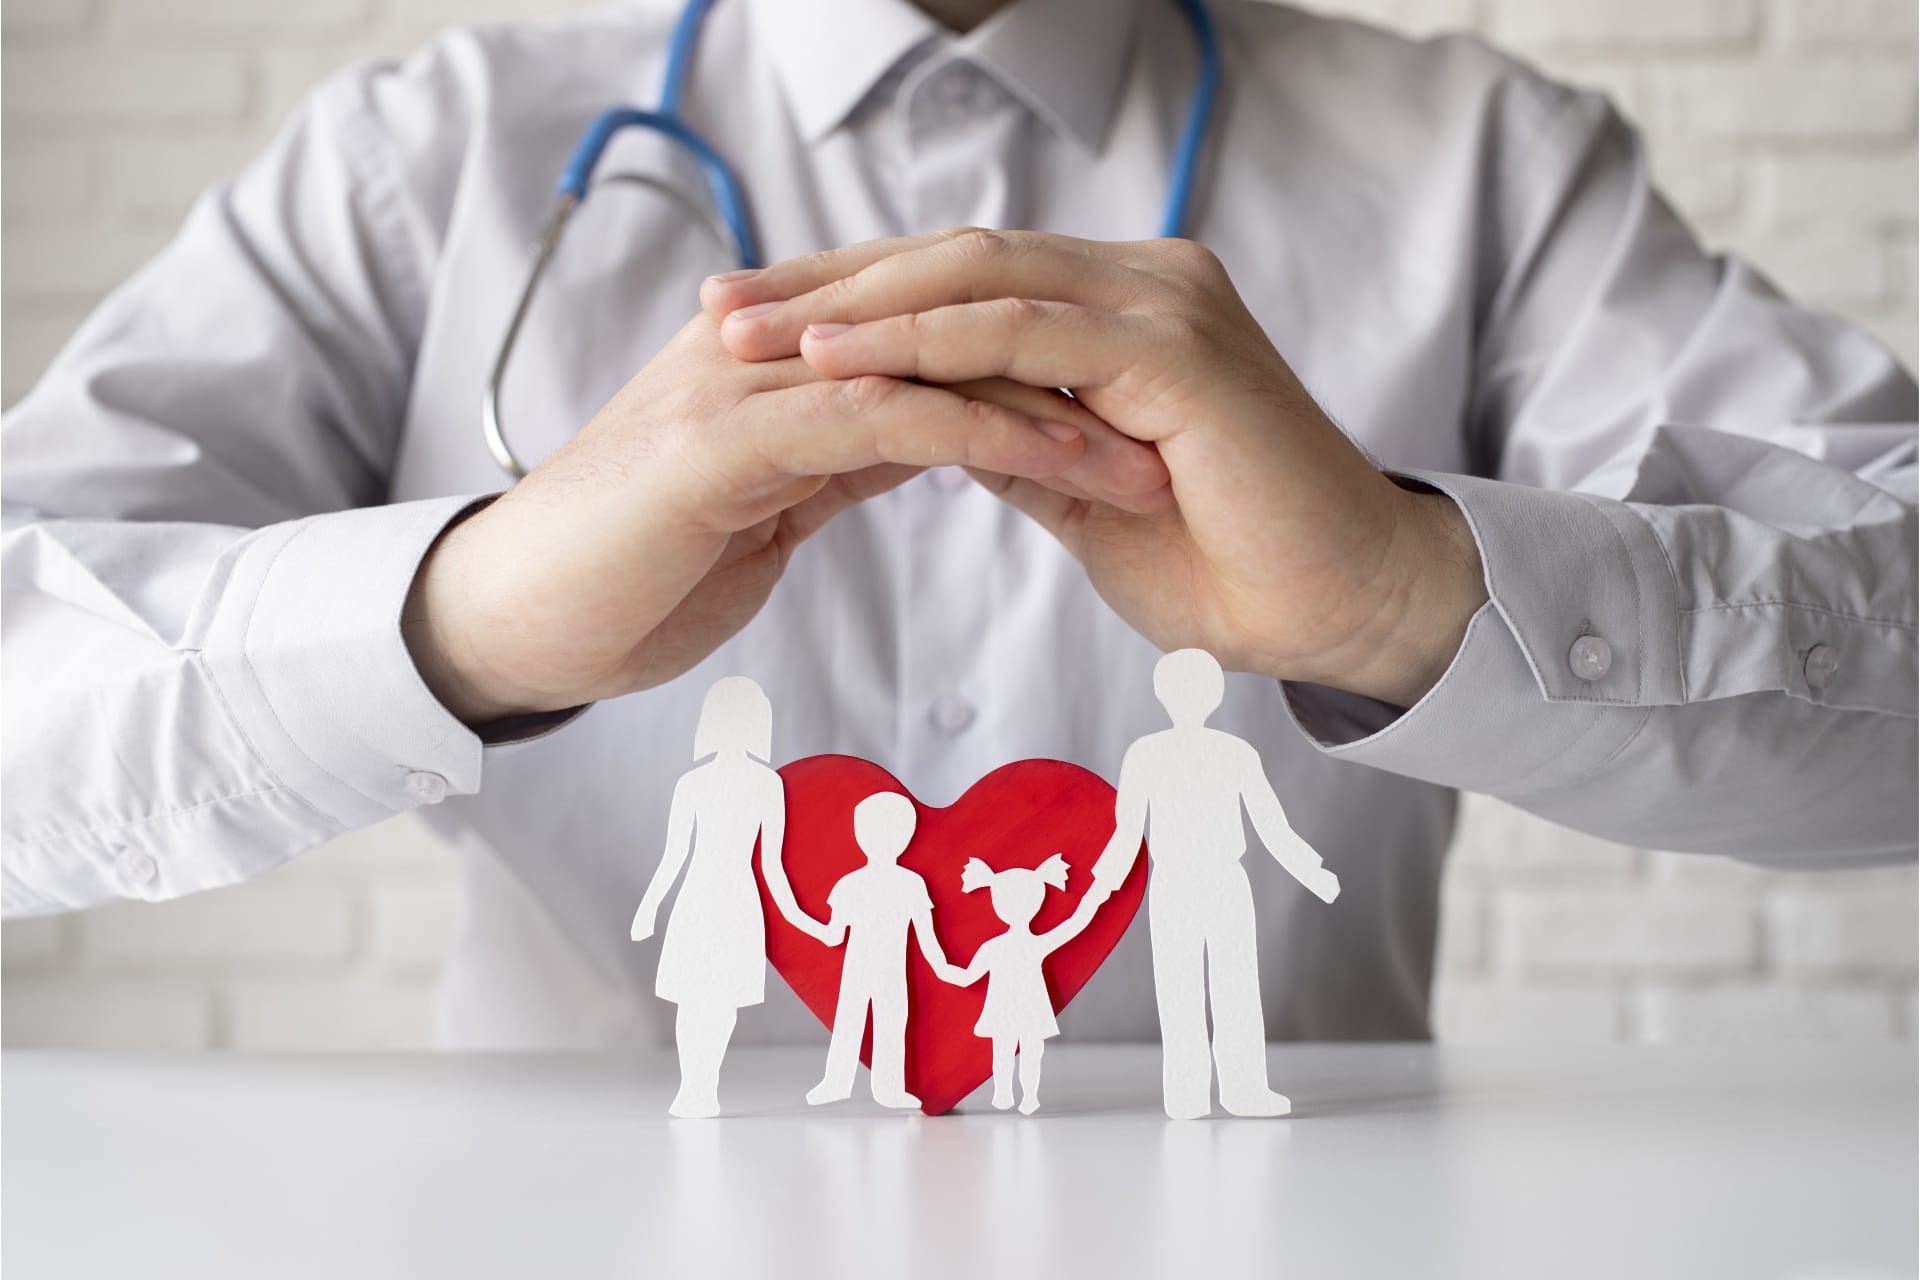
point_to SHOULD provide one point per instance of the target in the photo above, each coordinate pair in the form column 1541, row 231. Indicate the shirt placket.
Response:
column 961, row 130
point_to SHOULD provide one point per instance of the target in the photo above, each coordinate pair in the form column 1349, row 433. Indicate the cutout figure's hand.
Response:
column 1323, row 885
column 951, row 974
column 1287, row 552
column 643, row 925
column 661, row 528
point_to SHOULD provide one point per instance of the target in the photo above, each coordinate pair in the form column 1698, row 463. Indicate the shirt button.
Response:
column 426, row 788
column 1822, row 665
column 951, row 714
column 136, row 869
column 1590, row 658
column 948, row 479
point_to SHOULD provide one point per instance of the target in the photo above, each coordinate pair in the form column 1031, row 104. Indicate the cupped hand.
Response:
column 1286, row 552
column 660, row 529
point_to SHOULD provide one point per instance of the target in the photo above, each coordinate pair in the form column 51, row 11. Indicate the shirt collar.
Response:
column 827, row 54
column 1063, row 58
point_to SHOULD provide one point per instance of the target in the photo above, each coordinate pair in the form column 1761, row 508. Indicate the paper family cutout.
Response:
column 1016, row 816
column 996, row 869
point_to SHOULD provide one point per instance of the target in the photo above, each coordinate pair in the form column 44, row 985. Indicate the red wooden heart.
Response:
column 1016, row 816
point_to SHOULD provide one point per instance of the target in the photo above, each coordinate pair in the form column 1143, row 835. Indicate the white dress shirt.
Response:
column 1694, row 499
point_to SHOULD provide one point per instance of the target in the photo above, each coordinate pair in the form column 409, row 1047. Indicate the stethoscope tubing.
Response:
column 731, row 220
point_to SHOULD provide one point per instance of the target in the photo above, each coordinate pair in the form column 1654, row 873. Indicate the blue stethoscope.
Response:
column 728, row 219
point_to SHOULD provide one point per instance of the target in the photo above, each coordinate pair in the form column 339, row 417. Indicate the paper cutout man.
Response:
column 872, row 909
column 1018, row 1015
column 1189, row 784
column 713, row 960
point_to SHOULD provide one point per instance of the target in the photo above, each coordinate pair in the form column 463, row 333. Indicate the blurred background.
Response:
column 1783, row 129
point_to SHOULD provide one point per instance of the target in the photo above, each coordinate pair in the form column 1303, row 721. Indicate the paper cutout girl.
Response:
column 713, row 960
column 1018, row 1016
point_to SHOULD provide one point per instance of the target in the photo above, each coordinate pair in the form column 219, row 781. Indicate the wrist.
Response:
column 1431, row 584
column 440, row 626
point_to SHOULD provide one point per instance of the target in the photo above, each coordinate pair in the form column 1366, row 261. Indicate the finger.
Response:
column 837, row 427
column 1059, row 514
column 971, row 267
column 808, row 516
column 1040, row 343
column 733, row 290
column 1115, row 468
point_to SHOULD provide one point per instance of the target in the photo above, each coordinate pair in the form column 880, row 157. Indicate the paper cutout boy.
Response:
column 872, row 909
column 1191, row 783
column 1018, row 1015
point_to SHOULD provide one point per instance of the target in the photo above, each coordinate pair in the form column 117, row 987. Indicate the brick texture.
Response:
column 1783, row 129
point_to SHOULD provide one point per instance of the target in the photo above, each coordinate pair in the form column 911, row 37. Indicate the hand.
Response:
column 1287, row 553
column 1323, row 884
column 660, row 529
column 815, row 929
column 643, row 921
column 951, row 974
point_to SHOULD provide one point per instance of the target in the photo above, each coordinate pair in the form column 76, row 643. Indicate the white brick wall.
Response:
column 1785, row 129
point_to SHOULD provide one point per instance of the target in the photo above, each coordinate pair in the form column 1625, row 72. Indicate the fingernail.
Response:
column 757, row 309
column 728, row 277
column 1061, row 431
column 824, row 332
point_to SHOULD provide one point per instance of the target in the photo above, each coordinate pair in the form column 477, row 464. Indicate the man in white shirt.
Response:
column 1630, row 544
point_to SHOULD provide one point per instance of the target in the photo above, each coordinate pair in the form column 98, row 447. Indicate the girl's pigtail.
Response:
column 975, row 875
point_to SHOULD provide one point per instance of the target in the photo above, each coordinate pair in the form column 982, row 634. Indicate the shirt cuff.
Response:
column 1579, row 636
column 307, row 652
column 1583, row 583
column 1484, row 725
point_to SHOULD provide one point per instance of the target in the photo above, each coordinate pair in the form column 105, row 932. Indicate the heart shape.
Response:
column 1016, row 816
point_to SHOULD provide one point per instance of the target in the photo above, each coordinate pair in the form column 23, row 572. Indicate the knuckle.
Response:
column 912, row 326
column 1018, row 313
column 981, row 245
column 1189, row 266
column 982, row 415
column 863, row 395
column 810, row 266
column 833, row 297
column 1204, row 271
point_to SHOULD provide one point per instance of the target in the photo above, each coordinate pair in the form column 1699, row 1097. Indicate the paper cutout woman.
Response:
column 1018, row 1016
column 713, row 960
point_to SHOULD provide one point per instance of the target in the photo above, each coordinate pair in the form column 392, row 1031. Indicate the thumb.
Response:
column 1062, row 515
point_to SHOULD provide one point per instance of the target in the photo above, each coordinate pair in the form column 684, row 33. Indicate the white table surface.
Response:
column 1400, row 1161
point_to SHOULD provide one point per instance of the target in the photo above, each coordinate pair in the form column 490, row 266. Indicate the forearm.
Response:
column 1731, row 678
column 1123, row 846
column 930, row 942
column 201, row 702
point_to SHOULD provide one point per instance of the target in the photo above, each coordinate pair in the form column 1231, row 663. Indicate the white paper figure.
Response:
column 1018, row 1015
column 713, row 960
column 872, row 909
column 1188, row 785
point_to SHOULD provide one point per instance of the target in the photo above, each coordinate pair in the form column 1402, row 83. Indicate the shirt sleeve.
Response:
column 205, row 668
column 1696, row 517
